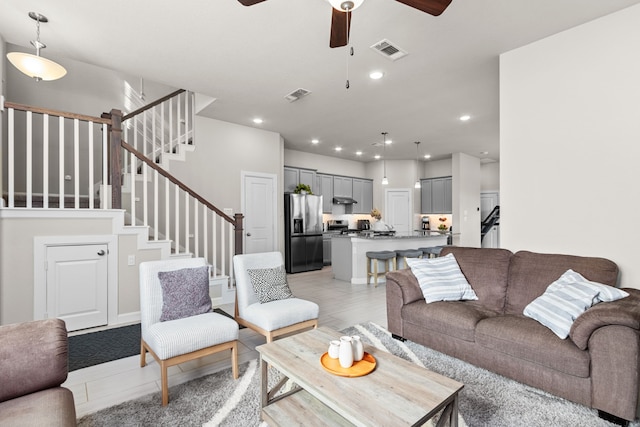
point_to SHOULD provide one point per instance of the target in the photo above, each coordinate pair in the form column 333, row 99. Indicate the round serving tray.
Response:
column 358, row 369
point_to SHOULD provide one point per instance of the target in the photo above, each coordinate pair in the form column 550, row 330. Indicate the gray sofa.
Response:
column 598, row 365
column 33, row 364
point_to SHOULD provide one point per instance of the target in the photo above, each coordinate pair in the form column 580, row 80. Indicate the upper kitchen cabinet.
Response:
column 436, row 195
column 363, row 194
column 295, row 176
column 342, row 186
column 324, row 188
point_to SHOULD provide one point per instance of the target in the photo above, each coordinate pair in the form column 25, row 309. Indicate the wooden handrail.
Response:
column 40, row 110
column 175, row 181
column 153, row 104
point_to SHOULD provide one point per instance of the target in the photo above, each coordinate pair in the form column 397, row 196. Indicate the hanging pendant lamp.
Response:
column 385, row 181
column 417, row 184
column 35, row 65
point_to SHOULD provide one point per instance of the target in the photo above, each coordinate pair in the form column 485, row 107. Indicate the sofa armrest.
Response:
column 623, row 312
column 33, row 357
column 402, row 288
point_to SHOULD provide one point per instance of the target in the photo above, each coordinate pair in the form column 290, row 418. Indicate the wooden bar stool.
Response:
column 403, row 254
column 386, row 257
column 431, row 252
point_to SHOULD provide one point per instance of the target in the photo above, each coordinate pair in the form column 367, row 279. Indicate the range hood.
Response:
column 343, row 201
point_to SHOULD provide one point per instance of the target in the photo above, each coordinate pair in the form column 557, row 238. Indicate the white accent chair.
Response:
column 273, row 318
column 177, row 341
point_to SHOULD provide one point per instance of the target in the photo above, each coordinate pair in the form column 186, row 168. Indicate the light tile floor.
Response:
column 341, row 305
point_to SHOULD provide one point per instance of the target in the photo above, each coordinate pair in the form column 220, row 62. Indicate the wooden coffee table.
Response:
column 396, row 393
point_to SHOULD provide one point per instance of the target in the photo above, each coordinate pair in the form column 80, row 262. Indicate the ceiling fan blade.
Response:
column 432, row 7
column 340, row 26
column 250, row 2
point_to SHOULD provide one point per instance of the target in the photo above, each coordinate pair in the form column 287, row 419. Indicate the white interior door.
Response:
column 398, row 210
column 259, row 206
column 77, row 285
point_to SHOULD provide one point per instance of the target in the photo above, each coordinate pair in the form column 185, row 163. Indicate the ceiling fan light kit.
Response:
column 35, row 65
column 346, row 6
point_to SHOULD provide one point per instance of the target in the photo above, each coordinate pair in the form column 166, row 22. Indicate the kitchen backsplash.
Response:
column 352, row 219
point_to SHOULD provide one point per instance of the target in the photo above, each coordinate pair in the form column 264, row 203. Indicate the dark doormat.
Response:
column 108, row 345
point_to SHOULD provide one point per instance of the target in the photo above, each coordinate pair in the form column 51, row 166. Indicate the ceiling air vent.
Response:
column 389, row 50
column 297, row 94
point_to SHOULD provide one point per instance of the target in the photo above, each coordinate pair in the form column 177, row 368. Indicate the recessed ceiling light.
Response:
column 377, row 156
column 314, row 141
column 484, row 153
column 389, row 141
column 427, row 156
column 465, row 117
column 375, row 75
column 358, row 153
column 257, row 120
column 338, row 148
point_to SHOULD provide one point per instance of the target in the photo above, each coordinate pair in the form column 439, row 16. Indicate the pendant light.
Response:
column 385, row 181
column 417, row 185
column 35, row 65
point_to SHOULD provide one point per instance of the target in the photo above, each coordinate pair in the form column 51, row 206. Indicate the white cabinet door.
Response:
column 77, row 285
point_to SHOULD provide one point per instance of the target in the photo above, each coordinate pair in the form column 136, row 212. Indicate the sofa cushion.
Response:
column 524, row 338
column 486, row 270
column 441, row 279
column 530, row 273
column 51, row 407
column 566, row 299
column 457, row 319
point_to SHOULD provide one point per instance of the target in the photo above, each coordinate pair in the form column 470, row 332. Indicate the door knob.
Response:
column 248, row 234
column 101, row 252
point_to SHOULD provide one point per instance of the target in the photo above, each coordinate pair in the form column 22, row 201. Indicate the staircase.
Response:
column 122, row 162
column 491, row 220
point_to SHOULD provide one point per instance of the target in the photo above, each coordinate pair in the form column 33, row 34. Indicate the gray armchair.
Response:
column 33, row 365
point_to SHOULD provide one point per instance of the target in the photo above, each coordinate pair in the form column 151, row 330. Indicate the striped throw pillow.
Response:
column 566, row 299
column 441, row 279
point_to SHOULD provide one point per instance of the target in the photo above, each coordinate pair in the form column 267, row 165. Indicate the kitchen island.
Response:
column 348, row 252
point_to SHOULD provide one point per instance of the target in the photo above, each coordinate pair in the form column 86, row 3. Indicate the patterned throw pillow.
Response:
column 270, row 284
column 441, row 279
column 185, row 293
column 566, row 299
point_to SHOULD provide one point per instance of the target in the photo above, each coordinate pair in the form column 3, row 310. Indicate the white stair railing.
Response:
column 46, row 149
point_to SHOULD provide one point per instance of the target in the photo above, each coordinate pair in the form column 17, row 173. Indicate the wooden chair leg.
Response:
column 234, row 360
column 165, row 383
column 375, row 272
column 143, row 355
column 368, row 270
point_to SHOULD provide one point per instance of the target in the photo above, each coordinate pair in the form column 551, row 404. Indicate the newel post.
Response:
column 115, row 165
column 239, row 231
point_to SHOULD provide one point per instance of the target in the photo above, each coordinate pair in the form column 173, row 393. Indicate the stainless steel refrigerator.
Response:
column 302, row 232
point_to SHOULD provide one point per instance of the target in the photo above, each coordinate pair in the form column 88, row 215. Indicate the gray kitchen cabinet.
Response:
column 324, row 188
column 363, row 194
column 291, row 176
column 342, row 186
column 294, row 176
column 436, row 195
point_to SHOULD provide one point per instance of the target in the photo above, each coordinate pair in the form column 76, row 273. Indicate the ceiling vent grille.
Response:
column 389, row 50
column 297, row 94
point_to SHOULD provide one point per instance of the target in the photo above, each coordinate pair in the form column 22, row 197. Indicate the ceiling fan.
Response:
column 341, row 14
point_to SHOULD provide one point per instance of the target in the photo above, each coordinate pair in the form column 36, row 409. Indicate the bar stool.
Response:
column 403, row 254
column 431, row 252
column 385, row 257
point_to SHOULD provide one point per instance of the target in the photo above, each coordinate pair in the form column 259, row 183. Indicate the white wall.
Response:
column 325, row 164
column 437, row 168
column 466, row 200
column 490, row 176
column 570, row 143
